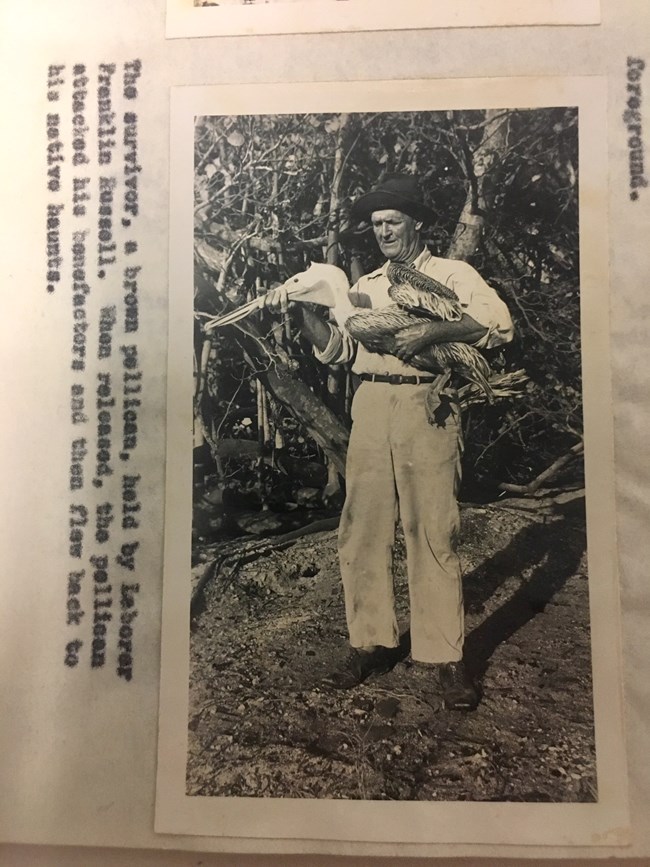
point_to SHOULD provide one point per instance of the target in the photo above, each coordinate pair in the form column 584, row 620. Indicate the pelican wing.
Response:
column 416, row 291
column 426, row 302
column 403, row 275
column 465, row 360
column 372, row 323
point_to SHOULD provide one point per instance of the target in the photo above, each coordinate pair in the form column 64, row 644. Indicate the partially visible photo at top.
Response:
column 187, row 18
column 253, row 2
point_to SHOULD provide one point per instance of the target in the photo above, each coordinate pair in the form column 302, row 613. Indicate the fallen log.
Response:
column 253, row 551
column 540, row 506
column 529, row 489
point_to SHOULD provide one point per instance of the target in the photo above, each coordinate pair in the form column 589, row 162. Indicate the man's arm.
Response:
column 412, row 340
column 315, row 329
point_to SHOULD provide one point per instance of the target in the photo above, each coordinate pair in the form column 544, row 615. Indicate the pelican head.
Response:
column 319, row 284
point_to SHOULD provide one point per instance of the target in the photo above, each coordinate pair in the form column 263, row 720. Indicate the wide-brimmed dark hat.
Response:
column 396, row 193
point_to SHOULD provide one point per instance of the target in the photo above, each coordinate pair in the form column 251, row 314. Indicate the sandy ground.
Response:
column 261, row 724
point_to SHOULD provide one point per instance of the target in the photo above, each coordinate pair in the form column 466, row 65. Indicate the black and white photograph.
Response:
column 390, row 579
column 387, row 328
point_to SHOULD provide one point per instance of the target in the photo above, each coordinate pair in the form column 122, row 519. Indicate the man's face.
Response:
column 397, row 234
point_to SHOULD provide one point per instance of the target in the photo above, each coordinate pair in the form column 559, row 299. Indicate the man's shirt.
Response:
column 477, row 300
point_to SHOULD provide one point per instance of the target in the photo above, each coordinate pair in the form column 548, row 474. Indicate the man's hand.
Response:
column 277, row 300
column 311, row 325
column 412, row 340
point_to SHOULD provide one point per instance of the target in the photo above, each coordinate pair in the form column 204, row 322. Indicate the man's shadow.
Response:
column 552, row 550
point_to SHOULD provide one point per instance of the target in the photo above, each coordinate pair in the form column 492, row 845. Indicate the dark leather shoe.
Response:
column 359, row 665
column 459, row 691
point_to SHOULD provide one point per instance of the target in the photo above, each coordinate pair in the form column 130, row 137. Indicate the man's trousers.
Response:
column 400, row 466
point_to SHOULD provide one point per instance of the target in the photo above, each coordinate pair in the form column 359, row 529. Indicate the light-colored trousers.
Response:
column 400, row 466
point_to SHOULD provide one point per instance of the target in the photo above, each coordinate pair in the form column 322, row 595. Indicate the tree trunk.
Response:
column 336, row 374
column 491, row 150
column 276, row 375
column 335, row 193
column 319, row 421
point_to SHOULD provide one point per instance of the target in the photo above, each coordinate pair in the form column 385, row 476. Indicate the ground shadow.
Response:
column 553, row 550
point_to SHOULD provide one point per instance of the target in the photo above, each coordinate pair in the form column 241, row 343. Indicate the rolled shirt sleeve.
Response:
column 339, row 349
column 481, row 302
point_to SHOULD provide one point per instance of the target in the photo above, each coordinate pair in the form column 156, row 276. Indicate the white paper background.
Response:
column 78, row 767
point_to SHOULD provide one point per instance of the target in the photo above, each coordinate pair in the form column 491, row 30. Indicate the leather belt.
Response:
column 396, row 378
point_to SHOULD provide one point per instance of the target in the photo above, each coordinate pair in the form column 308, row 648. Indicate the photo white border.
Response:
column 321, row 16
column 427, row 824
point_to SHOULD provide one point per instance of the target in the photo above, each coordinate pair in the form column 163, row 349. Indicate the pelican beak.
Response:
column 235, row 315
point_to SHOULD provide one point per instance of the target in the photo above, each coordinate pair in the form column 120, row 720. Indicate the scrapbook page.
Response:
column 193, row 232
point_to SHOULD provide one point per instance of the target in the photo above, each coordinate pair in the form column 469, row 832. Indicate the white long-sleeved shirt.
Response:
column 477, row 300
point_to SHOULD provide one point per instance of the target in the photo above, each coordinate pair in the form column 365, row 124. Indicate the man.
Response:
column 398, row 463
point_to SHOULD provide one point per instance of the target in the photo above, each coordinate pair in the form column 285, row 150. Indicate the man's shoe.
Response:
column 458, row 689
column 359, row 665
